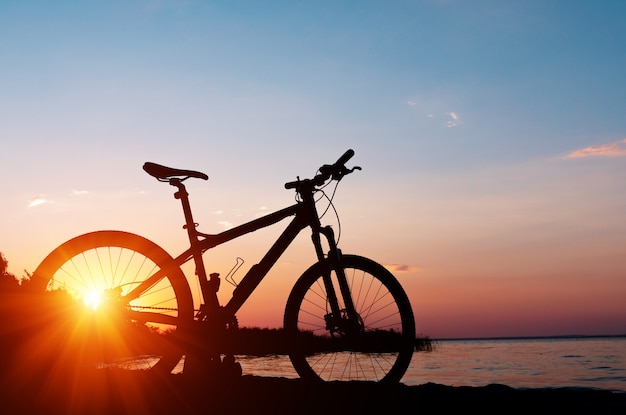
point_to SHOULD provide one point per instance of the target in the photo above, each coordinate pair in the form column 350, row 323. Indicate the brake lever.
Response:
column 344, row 172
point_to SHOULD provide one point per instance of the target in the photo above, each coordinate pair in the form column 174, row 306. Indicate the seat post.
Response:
column 183, row 196
column 209, row 292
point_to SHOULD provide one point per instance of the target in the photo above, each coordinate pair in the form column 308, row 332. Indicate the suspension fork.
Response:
column 336, row 264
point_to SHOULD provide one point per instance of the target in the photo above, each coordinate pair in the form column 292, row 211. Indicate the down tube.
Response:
column 254, row 276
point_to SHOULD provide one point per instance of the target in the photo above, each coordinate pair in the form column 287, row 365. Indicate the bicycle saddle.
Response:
column 163, row 173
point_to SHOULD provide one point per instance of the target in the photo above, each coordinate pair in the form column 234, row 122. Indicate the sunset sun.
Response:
column 92, row 299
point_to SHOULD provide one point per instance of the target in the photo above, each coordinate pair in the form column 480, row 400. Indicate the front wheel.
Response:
column 375, row 345
column 126, row 297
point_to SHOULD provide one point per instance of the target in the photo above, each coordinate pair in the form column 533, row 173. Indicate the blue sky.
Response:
column 491, row 133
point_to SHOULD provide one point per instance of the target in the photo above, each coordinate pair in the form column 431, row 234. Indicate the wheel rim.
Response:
column 381, row 349
column 98, row 271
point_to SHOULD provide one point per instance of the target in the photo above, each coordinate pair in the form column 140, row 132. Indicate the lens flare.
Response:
column 93, row 299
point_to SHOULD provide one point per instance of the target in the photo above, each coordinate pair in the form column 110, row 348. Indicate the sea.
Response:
column 573, row 362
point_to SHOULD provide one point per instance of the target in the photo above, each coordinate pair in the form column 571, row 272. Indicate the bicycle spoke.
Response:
column 377, row 347
column 144, row 286
column 140, row 303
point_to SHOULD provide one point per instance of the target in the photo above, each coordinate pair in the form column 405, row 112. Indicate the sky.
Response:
column 491, row 136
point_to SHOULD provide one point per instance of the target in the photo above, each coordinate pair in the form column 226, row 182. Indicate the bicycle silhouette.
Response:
column 346, row 318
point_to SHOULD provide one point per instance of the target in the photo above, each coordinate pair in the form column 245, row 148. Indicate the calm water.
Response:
column 538, row 363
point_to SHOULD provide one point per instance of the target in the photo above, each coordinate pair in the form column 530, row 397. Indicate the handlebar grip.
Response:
column 344, row 159
column 336, row 171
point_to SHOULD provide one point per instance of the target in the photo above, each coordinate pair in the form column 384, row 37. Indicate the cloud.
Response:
column 451, row 119
column 617, row 149
column 434, row 109
column 37, row 201
column 79, row 192
column 226, row 224
column 454, row 121
column 401, row 268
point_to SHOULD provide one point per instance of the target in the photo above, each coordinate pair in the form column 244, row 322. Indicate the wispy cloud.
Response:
column 226, row 224
column 617, row 149
column 38, row 201
column 401, row 268
column 454, row 120
column 424, row 107
column 79, row 192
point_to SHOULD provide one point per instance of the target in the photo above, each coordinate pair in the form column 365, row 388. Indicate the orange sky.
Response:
column 534, row 257
column 491, row 137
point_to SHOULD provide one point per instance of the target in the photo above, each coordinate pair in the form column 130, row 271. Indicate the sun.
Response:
column 93, row 298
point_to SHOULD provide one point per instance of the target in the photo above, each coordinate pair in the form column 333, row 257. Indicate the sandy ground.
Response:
column 118, row 392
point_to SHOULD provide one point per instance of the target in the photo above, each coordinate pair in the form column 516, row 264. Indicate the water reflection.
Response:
column 537, row 363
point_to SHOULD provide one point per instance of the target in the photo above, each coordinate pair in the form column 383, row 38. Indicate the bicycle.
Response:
column 347, row 317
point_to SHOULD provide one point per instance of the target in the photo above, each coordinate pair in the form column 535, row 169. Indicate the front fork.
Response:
column 340, row 320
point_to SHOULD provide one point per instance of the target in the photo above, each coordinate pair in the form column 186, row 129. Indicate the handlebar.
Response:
column 345, row 158
column 335, row 171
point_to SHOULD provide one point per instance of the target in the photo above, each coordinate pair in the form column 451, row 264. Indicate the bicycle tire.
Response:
column 127, row 335
column 381, row 353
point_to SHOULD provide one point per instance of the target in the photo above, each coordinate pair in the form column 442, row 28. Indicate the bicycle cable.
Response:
column 330, row 199
column 331, row 205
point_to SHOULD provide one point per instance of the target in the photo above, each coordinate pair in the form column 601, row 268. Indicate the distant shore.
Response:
column 114, row 392
column 559, row 337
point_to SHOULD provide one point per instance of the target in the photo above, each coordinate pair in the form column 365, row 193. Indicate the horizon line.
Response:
column 562, row 336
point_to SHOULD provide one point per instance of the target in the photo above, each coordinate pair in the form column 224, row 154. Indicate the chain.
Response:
column 147, row 307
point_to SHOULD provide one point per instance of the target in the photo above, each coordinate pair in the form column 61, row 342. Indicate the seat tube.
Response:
column 208, row 288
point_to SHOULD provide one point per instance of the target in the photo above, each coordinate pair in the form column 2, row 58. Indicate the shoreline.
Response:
column 561, row 337
column 108, row 392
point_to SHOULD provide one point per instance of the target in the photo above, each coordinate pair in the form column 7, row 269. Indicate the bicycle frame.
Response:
column 146, row 293
column 305, row 215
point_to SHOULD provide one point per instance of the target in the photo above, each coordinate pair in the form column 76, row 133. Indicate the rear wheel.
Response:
column 128, row 305
column 376, row 345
